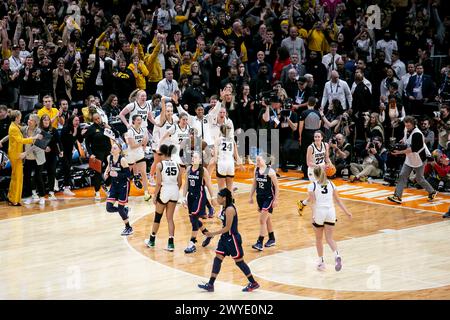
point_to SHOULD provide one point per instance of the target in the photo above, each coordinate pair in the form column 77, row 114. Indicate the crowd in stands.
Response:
column 71, row 67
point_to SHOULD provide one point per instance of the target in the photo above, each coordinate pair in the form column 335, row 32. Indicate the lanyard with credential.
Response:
column 337, row 87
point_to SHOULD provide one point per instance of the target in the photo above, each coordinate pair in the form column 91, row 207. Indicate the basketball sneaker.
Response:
column 338, row 265
column 190, row 248
column 352, row 178
column 97, row 196
column 28, row 200
column 206, row 241
column 42, row 201
column 170, row 247
column 51, row 196
column 127, row 231
column 258, row 246
column 251, row 287
column 147, row 196
column 300, row 207
column 395, row 199
column 68, row 192
column 149, row 243
column 321, row 266
column 446, row 215
column 270, row 243
column 35, row 197
column 211, row 212
column 137, row 181
column 432, row 196
column 363, row 179
column 207, row 286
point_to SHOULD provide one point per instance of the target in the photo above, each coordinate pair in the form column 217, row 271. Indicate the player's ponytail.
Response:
column 320, row 175
column 166, row 150
column 228, row 197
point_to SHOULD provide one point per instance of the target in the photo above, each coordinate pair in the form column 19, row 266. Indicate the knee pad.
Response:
column 194, row 222
column 217, row 263
column 158, row 217
column 123, row 212
column 110, row 207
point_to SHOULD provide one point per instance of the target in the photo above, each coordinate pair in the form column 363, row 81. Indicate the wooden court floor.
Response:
column 72, row 249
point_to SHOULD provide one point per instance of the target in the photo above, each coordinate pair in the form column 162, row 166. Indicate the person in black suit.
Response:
column 254, row 66
column 420, row 90
column 301, row 70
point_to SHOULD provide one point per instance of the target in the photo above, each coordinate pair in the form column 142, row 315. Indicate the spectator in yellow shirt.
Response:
column 316, row 38
column 139, row 70
column 53, row 113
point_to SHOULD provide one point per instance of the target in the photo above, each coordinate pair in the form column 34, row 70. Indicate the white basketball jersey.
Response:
column 137, row 135
column 136, row 109
column 178, row 134
column 323, row 193
column 226, row 149
column 167, row 127
column 169, row 173
column 319, row 154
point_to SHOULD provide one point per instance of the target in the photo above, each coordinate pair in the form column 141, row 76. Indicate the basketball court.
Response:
column 72, row 249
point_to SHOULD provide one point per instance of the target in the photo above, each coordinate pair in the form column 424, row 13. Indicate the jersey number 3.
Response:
column 324, row 189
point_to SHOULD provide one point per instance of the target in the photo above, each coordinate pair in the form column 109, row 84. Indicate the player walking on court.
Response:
column 317, row 154
column 120, row 175
column 230, row 243
column 194, row 194
column 265, row 184
column 167, row 192
column 322, row 194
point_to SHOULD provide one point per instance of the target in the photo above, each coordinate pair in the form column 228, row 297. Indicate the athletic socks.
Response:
column 152, row 237
column 170, row 240
column 211, row 280
column 251, row 279
column 336, row 253
column 193, row 240
column 260, row 239
column 271, row 236
column 305, row 202
column 204, row 231
column 127, row 225
column 320, row 259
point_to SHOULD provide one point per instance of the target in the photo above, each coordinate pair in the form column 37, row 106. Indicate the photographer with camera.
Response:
column 289, row 148
column 310, row 122
column 340, row 153
column 416, row 153
column 443, row 125
column 375, row 156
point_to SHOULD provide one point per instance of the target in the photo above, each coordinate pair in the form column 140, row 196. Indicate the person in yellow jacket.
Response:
column 139, row 70
column 153, row 65
column 16, row 156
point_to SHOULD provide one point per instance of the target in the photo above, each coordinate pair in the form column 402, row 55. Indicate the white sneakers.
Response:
column 97, row 196
column 51, row 196
column 69, row 193
column 42, row 201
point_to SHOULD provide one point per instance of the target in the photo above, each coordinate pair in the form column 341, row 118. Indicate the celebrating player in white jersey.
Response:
column 225, row 153
column 140, row 107
column 322, row 193
column 167, row 192
column 137, row 139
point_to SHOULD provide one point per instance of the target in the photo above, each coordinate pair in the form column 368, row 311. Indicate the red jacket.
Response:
column 278, row 67
column 441, row 169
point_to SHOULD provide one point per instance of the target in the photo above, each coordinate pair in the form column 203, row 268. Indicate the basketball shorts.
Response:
column 135, row 155
column 230, row 246
column 197, row 204
column 119, row 193
column 265, row 203
column 324, row 215
column 225, row 169
column 168, row 194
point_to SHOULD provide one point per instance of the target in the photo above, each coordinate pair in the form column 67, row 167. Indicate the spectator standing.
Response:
column 29, row 79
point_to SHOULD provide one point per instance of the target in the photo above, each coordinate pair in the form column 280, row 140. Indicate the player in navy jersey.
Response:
column 120, row 175
column 265, row 184
column 230, row 243
column 197, row 178
column 322, row 194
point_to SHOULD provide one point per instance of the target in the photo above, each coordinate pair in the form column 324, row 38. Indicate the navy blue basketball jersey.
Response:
column 234, row 225
column 117, row 167
column 264, row 185
column 195, row 182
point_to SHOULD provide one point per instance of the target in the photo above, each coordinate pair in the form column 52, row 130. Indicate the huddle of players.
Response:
column 180, row 150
